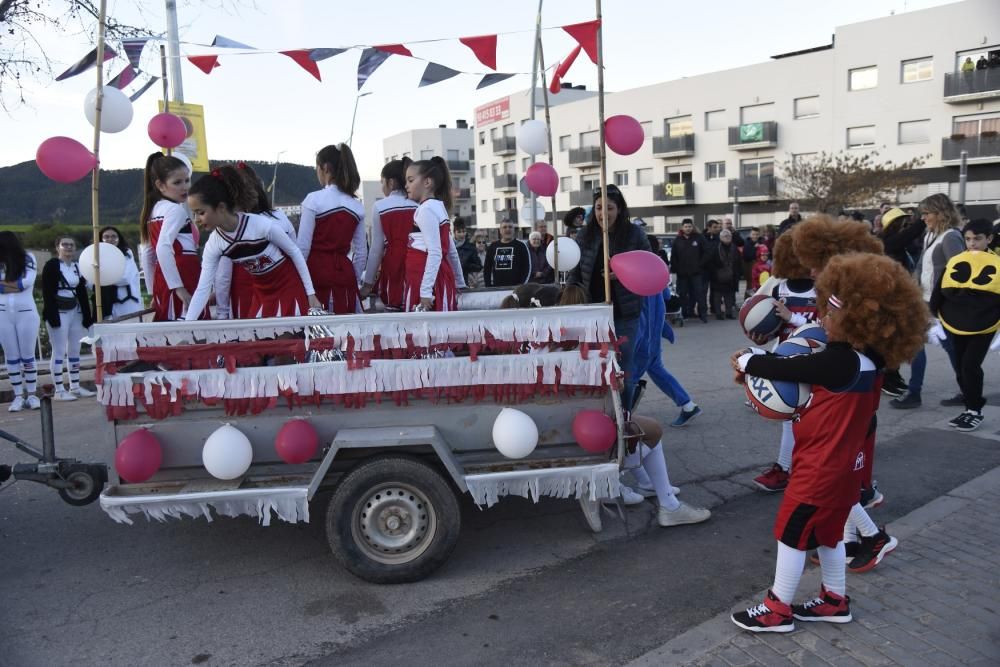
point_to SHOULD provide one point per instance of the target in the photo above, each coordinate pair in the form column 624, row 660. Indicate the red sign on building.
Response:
column 493, row 112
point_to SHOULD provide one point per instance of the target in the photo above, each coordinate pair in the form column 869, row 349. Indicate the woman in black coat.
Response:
column 67, row 315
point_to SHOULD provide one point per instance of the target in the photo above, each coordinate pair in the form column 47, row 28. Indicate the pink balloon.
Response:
column 542, row 179
column 138, row 456
column 623, row 134
column 641, row 272
column 64, row 160
column 297, row 441
column 594, row 431
column 166, row 130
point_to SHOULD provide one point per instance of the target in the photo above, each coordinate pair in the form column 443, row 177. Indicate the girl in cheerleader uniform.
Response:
column 18, row 320
column 431, row 283
column 124, row 297
column 392, row 222
column 331, row 226
column 281, row 282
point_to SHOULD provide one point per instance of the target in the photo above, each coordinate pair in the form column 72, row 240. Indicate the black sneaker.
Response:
column 970, row 421
column 828, row 607
column 871, row 551
column 894, row 386
column 957, row 399
column 957, row 420
column 871, row 497
column 771, row 615
column 907, row 401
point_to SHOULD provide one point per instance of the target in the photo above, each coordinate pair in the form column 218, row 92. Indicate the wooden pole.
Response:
column 95, row 179
column 604, row 163
column 548, row 134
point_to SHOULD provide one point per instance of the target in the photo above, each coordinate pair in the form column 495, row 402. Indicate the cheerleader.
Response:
column 66, row 310
column 281, row 283
column 18, row 320
column 431, row 284
column 331, row 226
column 125, row 296
column 169, row 249
column 392, row 222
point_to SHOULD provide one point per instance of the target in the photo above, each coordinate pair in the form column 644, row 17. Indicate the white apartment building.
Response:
column 891, row 85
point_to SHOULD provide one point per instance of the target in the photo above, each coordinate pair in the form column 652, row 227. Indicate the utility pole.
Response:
column 174, row 52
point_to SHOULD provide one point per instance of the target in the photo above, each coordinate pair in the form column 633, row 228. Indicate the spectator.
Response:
column 982, row 63
column 542, row 228
column 657, row 249
column 467, row 255
column 968, row 67
column 769, row 236
column 858, row 216
column 737, row 237
column 750, row 256
column 476, row 277
column 712, row 228
column 794, row 217
column 507, row 260
column 573, row 220
column 541, row 272
column 726, row 266
column 686, row 257
column 761, row 268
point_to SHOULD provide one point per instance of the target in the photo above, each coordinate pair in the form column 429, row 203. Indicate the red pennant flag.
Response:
column 562, row 68
column 586, row 35
column 205, row 63
column 398, row 49
column 304, row 58
column 485, row 48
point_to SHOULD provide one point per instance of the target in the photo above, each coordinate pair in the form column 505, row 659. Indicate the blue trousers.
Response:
column 918, row 366
column 662, row 378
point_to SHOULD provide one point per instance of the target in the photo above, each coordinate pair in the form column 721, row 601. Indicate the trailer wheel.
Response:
column 85, row 485
column 393, row 519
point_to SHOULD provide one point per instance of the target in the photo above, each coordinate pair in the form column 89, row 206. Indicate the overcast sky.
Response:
column 259, row 105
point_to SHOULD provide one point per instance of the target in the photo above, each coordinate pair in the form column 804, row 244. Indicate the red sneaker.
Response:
column 772, row 615
column 773, row 480
column 828, row 607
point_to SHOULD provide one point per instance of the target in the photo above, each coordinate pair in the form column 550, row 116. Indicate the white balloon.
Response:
column 514, row 433
column 185, row 159
column 533, row 137
column 116, row 109
column 569, row 254
column 227, row 453
column 112, row 264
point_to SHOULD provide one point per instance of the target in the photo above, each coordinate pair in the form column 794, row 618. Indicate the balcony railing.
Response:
column 581, row 197
column 505, row 182
column 458, row 165
column 980, row 84
column 585, row 157
column 673, row 146
column 751, row 136
column 980, row 147
column 504, row 145
column 765, row 187
column 674, row 193
column 464, row 193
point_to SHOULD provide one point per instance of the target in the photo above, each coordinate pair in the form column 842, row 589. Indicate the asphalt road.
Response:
column 526, row 582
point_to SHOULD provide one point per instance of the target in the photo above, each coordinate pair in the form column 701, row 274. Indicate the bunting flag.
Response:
column 133, row 49
column 398, row 49
column 435, row 73
column 586, row 34
column 125, row 77
column 562, row 68
column 371, row 58
column 485, row 48
column 86, row 63
column 323, row 54
column 490, row 79
column 226, row 43
column 205, row 63
column 146, row 86
column 304, row 58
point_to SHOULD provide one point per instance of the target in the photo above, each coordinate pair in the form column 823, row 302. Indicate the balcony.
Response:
column 764, row 188
column 674, row 194
column 667, row 147
column 585, row 157
column 753, row 136
column 510, row 215
column 505, row 146
column 464, row 193
column 979, row 148
column 458, row 165
column 980, row 84
column 505, row 182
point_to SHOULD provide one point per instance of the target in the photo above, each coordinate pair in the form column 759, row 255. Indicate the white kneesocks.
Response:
column 656, row 467
column 787, row 572
column 633, row 463
column 833, row 562
column 858, row 520
column 787, row 444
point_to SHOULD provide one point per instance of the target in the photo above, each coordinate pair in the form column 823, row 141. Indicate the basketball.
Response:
column 776, row 399
column 759, row 317
column 812, row 331
column 798, row 345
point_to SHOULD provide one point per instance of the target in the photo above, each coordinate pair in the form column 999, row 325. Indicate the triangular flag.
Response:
column 226, row 43
column 133, row 49
column 125, row 77
column 398, row 49
column 435, row 73
column 490, row 79
column 205, row 63
column 586, row 35
column 302, row 57
column 146, row 86
column 371, row 58
column 562, row 68
column 86, row 63
column 323, row 54
column 485, row 48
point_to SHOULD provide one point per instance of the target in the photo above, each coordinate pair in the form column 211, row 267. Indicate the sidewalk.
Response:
column 933, row 601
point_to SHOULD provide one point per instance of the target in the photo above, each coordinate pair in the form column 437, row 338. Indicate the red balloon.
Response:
column 641, row 272
column 623, row 134
column 64, row 160
column 542, row 179
column 297, row 441
column 594, row 431
column 138, row 456
column 167, row 130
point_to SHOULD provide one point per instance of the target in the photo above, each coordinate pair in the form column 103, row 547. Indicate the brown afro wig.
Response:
column 784, row 262
column 882, row 306
column 821, row 237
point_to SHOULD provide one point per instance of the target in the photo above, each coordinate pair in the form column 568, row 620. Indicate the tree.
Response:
column 830, row 182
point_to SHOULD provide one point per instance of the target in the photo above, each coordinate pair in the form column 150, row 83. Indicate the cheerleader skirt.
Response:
column 241, row 294
column 335, row 282
column 167, row 306
column 278, row 293
column 445, row 292
column 392, row 277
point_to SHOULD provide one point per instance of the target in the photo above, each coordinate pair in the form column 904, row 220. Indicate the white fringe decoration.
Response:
column 593, row 481
column 289, row 504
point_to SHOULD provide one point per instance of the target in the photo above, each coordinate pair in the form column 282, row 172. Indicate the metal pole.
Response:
column 736, row 206
column 95, row 179
column 534, row 80
column 963, row 176
column 174, row 50
column 604, row 155
column 548, row 134
column 354, row 117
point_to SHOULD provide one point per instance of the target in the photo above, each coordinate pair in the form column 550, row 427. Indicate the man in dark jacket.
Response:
column 794, row 217
column 507, row 260
column 686, row 258
column 467, row 254
column 712, row 229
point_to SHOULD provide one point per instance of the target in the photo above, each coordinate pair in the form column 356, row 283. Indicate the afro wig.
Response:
column 784, row 262
column 821, row 237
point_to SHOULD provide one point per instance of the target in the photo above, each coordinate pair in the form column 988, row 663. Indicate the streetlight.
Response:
column 274, row 179
column 355, row 115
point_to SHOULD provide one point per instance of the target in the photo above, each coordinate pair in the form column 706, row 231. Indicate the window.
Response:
column 483, row 206
column 644, row 176
column 452, row 154
column 621, row 178
column 509, row 130
column 972, row 126
column 863, row 135
column 862, row 78
column 590, row 182
column 715, row 120
column 426, row 154
column 590, row 139
column 565, row 142
column 525, row 163
column 918, row 69
column 757, row 169
column 678, row 126
column 565, row 184
column 679, row 174
column 914, row 132
column 496, row 205
column 799, row 158
column 757, row 113
column 482, row 137
column 807, row 107
column 482, row 172
column 715, row 171
column 494, row 133
column 510, row 167
column 647, row 128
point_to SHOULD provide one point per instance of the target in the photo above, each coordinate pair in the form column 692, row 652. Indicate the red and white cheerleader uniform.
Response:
column 173, row 256
column 280, row 276
column 427, row 276
column 392, row 222
column 239, row 291
column 331, row 226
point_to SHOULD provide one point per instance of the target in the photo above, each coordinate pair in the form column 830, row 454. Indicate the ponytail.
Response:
column 394, row 173
column 224, row 185
column 158, row 168
column 436, row 169
column 338, row 162
column 255, row 189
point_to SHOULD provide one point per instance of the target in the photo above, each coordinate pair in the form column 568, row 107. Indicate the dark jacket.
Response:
column 750, row 249
column 788, row 223
column 725, row 257
column 686, row 254
column 627, row 305
column 708, row 252
column 469, row 258
column 51, row 279
column 539, row 264
column 901, row 242
column 507, row 264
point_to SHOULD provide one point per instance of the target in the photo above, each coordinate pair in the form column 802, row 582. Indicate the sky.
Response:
column 261, row 105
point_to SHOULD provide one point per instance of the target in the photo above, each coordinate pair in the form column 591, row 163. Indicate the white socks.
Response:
column 689, row 406
column 787, row 444
column 788, row 571
column 834, row 565
column 634, row 464
column 656, row 467
column 858, row 520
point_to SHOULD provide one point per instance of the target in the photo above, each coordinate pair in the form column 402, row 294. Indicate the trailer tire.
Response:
column 393, row 519
column 86, row 482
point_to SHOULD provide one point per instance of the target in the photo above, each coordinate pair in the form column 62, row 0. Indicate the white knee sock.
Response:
column 656, row 467
column 57, row 372
column 30, row 375
column 74, row 372
column 787, row 572
column 859, row 517
column 833, row 562
column 787, row 444
column 633, row 463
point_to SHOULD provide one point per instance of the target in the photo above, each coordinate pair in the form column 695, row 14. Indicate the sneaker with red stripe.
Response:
column 772, row 615
column 828, row 607
column 773, row 480
column 871, row 551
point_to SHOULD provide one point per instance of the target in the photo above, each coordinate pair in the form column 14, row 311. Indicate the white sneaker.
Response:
column 682, row 515
column 33, row 402
column 646, row 492
column 592, row 514
column 630, row 497
column 63, row 395
column 83, row 392
column 17, row 404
